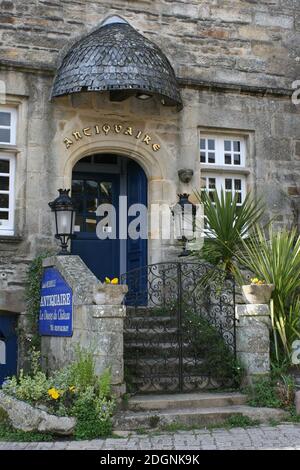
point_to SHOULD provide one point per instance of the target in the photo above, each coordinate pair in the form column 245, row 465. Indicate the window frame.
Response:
column 220, row 182
column 12, row 127
column 220, row 150
column 7, row 226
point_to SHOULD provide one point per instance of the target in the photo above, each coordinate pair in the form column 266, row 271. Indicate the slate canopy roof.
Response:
column 118, row 59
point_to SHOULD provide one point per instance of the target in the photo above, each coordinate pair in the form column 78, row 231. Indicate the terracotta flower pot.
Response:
column 258, row 294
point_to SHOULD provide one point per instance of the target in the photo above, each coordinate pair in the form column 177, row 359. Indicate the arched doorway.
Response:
column 100, row 179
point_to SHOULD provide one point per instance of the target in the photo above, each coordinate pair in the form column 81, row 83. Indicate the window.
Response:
column 8, row 124
column 227, row 151
column 221, row 157
column 7, row 182
column 230, row 183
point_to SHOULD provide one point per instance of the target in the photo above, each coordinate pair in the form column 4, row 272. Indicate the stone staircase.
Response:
column 152, row 351
column 191, row 409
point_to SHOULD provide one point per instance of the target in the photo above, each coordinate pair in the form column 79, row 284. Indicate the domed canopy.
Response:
column 116, row 58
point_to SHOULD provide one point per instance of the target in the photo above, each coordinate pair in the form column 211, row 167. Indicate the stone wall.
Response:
column 96, row 328
column 241, row 41
column 236, row 60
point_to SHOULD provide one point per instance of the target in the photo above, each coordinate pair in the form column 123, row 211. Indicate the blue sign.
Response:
column 56, row 306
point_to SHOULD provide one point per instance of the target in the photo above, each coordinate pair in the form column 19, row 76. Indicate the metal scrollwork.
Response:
column 179, row 328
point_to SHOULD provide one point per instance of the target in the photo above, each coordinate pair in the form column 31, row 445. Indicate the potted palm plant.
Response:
column 258, row 292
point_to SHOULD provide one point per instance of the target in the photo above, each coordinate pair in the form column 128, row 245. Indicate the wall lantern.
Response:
column 184, row 218
column 64, row 213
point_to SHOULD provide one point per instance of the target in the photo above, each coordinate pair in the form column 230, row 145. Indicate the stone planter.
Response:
column 25, row 417
column 109, row 294
column 258, row 294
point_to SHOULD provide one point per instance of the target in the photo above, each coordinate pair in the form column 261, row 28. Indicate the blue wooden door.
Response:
column 89, row 191
column 8, row 346
column 137, row 249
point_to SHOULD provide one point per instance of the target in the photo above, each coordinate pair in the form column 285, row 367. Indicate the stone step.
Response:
column 170, row 383
column 154, row 335
column 185, row 400
column 152, row 312
column 150, row 323
column 131, row 421
column 143, row 367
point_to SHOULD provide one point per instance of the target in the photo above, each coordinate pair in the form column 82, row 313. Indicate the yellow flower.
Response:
column 257, row 281
column 115, row 280
column 72, row 388
column 53, row 393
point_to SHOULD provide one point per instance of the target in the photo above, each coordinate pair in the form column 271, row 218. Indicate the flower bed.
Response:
column 71, row 401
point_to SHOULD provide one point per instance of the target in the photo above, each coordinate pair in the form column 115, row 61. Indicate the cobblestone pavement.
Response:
column 284, row 436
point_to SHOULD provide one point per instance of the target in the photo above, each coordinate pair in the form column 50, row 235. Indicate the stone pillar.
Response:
column 253, row 339
column 98, row 317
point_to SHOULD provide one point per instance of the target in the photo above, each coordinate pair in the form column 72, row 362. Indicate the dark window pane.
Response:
column 202, row 144
column 211, row 157
column 78, row 204
column 227, row 159
column 237, row 146
column 91, row 204
column 4, row 201
column 237, row 185
column 4, row 166
column 77, row 187
column 108, row 159
column 239, row 198
column 202, row 157
column 91, row 187
column 4, row 183
column 227, row 145
column 237, row 159
column 211, row 144
column 5, row 119
column 211, row 195
column 3, row 215
column 79, row 222
column 228, row 183
column 5, row 135
column 212, row 183
column 86, row 160
column 90, row 225
column 105, row 192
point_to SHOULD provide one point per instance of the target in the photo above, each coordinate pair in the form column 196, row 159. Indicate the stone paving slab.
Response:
column 283, row 436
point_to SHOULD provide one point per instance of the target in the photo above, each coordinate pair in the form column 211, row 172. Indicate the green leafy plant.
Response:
column 277, row 391
column 275, row 257
column 228, row 224
column 29, row 387
column 93, row 415
column 264, row 393
column 74, row 390
column 207, row 343
column 33, row 294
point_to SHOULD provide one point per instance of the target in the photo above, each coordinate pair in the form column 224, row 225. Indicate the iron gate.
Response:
column 179, row 332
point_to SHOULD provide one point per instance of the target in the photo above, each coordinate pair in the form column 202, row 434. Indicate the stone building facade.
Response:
column 236, row 63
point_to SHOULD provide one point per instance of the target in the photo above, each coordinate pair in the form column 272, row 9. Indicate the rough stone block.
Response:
column 255, row 363
column 297, row 402
column 28, row 418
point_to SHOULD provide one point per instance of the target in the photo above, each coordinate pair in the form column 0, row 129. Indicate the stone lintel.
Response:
column 252, row 310
column 107, row 311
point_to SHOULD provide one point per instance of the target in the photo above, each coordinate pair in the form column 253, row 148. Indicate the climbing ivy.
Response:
column 32, row 295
